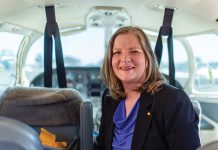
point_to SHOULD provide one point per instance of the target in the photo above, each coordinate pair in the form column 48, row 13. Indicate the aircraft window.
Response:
column 180, row 59
column 82, row 49
column 8, row 54
column 206, row 73
column 205, row 125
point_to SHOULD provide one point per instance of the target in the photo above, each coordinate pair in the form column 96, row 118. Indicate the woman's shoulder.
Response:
column 170, row 94
column 166, row 89
column 171, row 100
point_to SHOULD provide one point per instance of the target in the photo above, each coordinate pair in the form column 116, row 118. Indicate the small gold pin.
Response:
column 149, row 113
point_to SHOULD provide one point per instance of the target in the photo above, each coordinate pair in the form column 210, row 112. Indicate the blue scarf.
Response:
column 124, row 127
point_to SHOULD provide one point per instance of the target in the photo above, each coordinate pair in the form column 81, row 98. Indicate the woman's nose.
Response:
column 125, row 58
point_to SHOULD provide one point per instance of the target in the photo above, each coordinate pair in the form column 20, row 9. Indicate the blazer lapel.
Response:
column 111, row 125
column 143, row 121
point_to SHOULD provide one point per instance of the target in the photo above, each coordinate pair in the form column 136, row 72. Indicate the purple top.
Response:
column 124, row 127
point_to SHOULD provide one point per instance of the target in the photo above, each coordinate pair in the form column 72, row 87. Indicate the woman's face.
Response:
column 128, row 59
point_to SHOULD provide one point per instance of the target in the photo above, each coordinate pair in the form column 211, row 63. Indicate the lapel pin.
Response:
column 148, row 113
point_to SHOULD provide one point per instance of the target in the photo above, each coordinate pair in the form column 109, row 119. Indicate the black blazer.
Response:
column 171, row 125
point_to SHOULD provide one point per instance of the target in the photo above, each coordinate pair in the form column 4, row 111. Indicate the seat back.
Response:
column 197, row 107
column 15, row 135
column 60, row 111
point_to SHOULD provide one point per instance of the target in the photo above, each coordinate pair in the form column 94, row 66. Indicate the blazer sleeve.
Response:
column 181, row 123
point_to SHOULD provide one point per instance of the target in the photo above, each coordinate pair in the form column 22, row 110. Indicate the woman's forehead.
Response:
column 126, row 39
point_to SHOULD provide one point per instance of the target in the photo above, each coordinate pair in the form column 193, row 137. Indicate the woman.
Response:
column 140, row 111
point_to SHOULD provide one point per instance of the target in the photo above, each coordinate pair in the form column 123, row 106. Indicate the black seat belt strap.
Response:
column 166, row 30
column 172, row 80
column 159, row 47
column 47, row 59
column 62, row 82
column 52, row 31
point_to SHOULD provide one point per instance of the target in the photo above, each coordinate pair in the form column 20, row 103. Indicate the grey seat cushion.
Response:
column 16, row 135
column 31, row 105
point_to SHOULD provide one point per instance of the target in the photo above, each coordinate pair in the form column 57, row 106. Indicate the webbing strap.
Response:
column 166, row 30
column 52, row 31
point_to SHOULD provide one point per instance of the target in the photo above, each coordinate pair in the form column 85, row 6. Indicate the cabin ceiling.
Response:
column 190, row 17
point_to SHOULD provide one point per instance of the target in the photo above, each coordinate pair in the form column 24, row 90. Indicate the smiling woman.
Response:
column 136, row 87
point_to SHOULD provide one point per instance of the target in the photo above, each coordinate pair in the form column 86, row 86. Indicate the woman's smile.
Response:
column 127, row 68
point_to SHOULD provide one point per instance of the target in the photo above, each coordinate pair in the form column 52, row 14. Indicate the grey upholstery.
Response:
column 15, row 135
column 210, row 146
column 197, row 107
column 86, row 126
column 60, row 111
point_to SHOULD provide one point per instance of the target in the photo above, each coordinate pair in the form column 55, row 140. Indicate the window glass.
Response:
column 205, row 49
column 84, row 48
column 8, row 53
column 205, row 125
column 180, row 60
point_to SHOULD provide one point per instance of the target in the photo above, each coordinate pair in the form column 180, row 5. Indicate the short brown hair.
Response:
column 153, row 76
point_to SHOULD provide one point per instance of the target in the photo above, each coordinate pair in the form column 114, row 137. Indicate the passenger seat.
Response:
column 62, row 112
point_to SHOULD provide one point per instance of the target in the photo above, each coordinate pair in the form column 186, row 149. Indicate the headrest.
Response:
column 41, row 106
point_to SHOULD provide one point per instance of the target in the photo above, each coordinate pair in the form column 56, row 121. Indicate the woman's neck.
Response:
column 128, row 87
column 132, row 95
column 131, row 99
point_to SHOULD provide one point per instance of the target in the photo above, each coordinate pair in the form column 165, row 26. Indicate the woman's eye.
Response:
column 116, row 53
column 134, row 51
